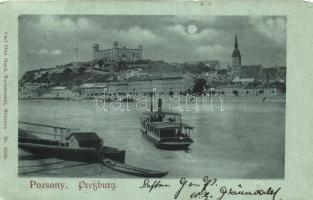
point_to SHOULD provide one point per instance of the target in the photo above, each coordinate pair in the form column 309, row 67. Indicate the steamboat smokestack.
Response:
column 151, row 103
column 159, row 104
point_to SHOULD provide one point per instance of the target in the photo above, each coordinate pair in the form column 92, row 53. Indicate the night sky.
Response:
column 49, row 40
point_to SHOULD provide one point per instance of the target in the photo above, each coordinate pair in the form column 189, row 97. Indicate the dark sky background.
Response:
column 49, row 40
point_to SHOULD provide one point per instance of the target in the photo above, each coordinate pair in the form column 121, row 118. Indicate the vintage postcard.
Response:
column 144, row 100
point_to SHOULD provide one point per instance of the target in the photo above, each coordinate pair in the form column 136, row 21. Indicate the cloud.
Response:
column 43, row 51
column 49, row 52
column 273, row 28
column 44, row 38
column 185, row 19
column 83, row 23
column 56, row 52
column 137, row 35
column 212, row 50
column 63, row 24
column 207, row 34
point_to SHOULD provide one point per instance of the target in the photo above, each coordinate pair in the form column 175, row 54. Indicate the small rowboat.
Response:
column 136, row 171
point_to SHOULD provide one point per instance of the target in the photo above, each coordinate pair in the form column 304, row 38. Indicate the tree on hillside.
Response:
column 100, row 63
column 200, row 86
column 67, row 71
column 81, row 70
column 199, row 68
column 235, row 92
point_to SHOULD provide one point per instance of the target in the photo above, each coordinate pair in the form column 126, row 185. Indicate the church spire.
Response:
column 236, row 52
column 236, row 57
column 236, row 43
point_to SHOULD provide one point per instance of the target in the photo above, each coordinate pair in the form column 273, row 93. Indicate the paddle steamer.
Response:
column 166, row 129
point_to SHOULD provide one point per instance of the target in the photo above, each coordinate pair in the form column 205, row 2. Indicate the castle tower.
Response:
column 115, row 44
column 236, row 57
column 140, row 52
column 95, row 50
column 116, row 54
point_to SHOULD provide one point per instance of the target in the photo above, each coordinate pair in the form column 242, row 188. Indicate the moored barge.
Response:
column 68, row 145
column 78, row 146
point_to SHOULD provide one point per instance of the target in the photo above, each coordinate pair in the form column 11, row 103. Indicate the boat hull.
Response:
column 73, row 154
column 135, row 171
column 174, row 145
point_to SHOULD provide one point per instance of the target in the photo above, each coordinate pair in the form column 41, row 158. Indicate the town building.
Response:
column 128, row 74
column 60, row 92
column 269, row 74
column 33, row 90
column 229, row 89
column 247, row 89
column 212, row 64
column 142, row 85
column 282, row 73
column 118, row 88
column 274, row 74
column 91, row 90
column 255, row 89
column 252, row 72
column 84, row 140
column 28, row 95
column 162, row 85
column 257, row 73
column 117, row 54
column 267, row 90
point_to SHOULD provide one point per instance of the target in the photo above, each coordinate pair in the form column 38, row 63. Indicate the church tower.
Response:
column 236, row 57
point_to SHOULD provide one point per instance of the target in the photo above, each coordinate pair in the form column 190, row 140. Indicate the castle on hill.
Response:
column 117, row 53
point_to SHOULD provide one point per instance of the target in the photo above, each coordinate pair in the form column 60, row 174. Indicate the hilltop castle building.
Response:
column 117, row 54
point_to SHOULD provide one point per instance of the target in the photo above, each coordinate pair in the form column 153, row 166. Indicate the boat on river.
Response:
column 166, row 129
column 136, row 171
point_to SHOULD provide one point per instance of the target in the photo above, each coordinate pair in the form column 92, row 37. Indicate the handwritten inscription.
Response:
column 210, row 188
column 202, row 193
column 241, row 192
column 154, row 185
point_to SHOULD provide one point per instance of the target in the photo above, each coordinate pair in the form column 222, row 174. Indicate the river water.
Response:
column 244, row 140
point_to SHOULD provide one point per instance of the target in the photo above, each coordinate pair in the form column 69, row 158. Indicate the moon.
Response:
column 192, row 29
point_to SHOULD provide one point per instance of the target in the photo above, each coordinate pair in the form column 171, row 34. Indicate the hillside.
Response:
column 69, row 77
